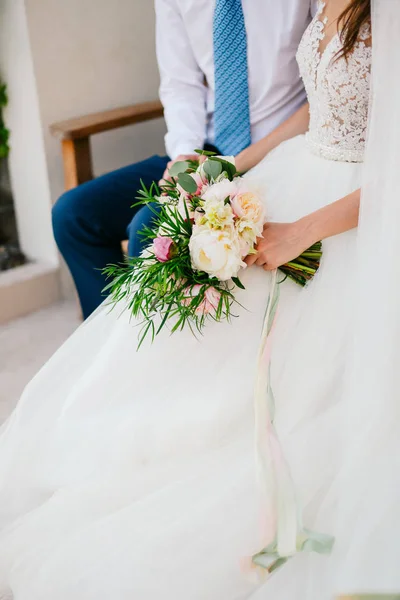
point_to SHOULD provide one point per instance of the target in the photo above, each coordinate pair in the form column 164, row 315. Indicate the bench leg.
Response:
column 77, row 160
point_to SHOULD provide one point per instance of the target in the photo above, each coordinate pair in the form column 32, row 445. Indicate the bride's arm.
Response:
column 283, row 242
column 296, row 124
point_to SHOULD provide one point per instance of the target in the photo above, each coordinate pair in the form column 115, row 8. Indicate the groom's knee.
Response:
column 143, row 218
column 67, row 215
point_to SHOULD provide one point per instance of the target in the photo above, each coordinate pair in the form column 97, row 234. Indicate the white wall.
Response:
column 82, row 56
column 92, row 55
column 27, row 161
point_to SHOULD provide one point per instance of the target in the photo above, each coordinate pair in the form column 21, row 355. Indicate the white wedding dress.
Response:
column 132, row 475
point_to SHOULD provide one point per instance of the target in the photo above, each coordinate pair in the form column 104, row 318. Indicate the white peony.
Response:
column 216, row 252
column 221, row 190
column 249, row 209
column 217, row 214
column 247, row 239
column 248, row 233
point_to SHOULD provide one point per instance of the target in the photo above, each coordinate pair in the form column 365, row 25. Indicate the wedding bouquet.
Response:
column 206, row 222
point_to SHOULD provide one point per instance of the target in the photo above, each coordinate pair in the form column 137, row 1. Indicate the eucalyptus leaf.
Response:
column 187, row 183
column 226, row 166
column 179, row 167
column 212, row 168
column 205, row 152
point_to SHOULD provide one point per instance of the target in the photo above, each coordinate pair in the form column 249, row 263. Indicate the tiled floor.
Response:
column 26, row 344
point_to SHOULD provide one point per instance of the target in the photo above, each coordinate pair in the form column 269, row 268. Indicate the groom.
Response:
column 228, row 77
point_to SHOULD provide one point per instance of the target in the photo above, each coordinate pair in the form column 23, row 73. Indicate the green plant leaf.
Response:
column 3, row 95
column 212, row 168
column 238, row 283
column 205, row 152
column 152, row 292
column 187, row 183
column 179, row 167
column 227, row 167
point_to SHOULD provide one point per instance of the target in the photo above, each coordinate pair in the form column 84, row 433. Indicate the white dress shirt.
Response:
column 184, row 34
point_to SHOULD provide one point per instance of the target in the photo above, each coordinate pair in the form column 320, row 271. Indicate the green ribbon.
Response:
column 290, row 535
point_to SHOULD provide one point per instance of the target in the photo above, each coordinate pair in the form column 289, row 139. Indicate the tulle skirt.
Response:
column 128, row 474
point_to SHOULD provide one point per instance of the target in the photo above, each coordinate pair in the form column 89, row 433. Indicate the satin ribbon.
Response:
column 289, row 535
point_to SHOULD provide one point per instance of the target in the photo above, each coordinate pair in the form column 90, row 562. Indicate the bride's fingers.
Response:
column 251, row 259
column 260, row 261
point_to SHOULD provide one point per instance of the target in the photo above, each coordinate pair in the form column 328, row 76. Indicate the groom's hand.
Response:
column 166, row 176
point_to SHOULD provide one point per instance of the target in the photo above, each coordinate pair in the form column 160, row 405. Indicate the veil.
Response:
column 368, row 536
column 365, row 494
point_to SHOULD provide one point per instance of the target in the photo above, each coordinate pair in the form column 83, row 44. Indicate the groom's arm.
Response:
column 182, row 90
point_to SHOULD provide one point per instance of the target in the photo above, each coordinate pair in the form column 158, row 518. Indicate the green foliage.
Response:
column 227, row 167
column 204, row 152
column 159, row 293
column 302, row 269
column 4, row 132
column 3, row 95
column 187, row 182
column 213, row 168
column 179, row 167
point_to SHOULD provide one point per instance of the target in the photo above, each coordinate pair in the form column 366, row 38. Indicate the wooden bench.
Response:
column 75, row 135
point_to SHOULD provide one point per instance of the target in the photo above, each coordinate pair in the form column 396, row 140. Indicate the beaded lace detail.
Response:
column 338, row 92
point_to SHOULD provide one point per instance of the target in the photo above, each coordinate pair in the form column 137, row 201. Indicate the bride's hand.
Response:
column 281, row 243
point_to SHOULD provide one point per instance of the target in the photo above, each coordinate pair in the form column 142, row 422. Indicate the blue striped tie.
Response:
column 232, row 106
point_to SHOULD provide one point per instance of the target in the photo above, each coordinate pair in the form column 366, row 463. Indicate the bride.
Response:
column 133, row 475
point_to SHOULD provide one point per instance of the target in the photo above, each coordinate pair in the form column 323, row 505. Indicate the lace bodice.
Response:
column 338, row 92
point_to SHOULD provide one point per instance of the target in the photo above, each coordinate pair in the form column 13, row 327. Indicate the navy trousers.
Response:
column 90, row 221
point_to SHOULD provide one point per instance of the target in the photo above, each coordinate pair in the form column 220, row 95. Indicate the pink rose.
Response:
column 190, row 293
column 210, row 302
column 202, row 184
column 163, row 248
